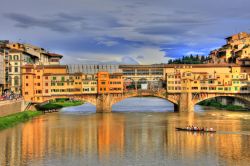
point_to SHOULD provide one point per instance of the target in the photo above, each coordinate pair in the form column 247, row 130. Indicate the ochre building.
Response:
column 41, row 82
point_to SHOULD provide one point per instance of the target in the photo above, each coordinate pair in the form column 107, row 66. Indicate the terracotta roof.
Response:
column 51, row 66
column 55, row 55
column 200, row 65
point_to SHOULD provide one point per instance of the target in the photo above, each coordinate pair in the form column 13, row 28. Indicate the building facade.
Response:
column 143, row 76
column 41, row 81
column 208, row 79
column 4, row 66
column 15, row 55
column 237, row 47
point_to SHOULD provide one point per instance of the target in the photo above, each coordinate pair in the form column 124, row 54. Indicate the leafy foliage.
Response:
column 189, row 60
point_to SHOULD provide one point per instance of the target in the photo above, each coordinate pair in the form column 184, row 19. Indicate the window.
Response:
column 27, row 84
column 46, row 78
column 16, row 81
column 10, row 80
column 26, row 93
column 38, row 92
column 53, row 78
column 62, row 78
column 103, row 83
column 38, row 84
column 16, row 57
column 27, row 77
column 38, row 77
column 46, row 91
column 46, row 84
column 16, row 69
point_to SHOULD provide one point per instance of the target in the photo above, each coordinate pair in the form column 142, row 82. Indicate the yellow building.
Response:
column 237, row 48
column 202, row 78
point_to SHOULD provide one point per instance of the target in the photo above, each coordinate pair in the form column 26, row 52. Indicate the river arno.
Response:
column 138, row 132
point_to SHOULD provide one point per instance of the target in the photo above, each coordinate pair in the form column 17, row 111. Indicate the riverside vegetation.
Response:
column 59, row 103
column 11, row 120
column 216, row 104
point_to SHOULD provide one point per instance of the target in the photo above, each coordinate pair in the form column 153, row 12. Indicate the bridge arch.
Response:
column 144, row 94
column 203, row 97
column 92, row 99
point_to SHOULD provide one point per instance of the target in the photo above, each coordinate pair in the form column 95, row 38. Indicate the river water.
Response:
column 139, row 131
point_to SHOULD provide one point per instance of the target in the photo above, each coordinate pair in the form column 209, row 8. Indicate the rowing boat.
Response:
column 204, row 131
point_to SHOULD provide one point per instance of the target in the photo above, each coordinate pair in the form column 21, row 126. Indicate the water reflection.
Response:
column 126, row 138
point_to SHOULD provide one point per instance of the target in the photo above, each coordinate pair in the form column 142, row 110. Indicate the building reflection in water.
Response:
column 101, row 136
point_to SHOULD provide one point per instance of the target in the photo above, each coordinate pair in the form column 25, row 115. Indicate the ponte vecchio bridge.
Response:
column 182, row 85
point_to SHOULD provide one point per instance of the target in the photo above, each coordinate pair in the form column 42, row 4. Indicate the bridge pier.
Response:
column 185, row 102
column 103, row 103
column 176, row 108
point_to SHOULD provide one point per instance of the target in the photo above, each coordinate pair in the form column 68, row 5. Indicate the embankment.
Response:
column 11, row 120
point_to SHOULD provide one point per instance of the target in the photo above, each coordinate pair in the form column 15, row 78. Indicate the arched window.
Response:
column 16, row 81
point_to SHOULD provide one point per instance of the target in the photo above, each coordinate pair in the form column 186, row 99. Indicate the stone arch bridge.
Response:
column 183, row 102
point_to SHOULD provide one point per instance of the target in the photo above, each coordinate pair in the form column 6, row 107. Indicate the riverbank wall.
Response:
column 12, row 107
column 223, row 103
column 232, row 101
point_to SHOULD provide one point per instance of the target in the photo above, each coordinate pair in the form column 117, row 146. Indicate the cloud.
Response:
column 111, row 31
column 59, row 23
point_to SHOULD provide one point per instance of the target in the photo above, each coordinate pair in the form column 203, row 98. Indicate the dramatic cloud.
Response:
column 118, row 31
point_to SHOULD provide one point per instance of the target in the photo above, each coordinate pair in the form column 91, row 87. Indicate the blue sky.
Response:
column 123, row 32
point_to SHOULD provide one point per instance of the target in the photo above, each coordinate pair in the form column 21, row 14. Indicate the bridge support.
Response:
column 185, row 102
column 103, row 103
column 176, row 108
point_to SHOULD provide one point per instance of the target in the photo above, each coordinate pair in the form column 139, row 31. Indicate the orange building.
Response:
column 109, row 83
column 36, row 82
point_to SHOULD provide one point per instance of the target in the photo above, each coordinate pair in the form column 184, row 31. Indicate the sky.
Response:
column 123, row 31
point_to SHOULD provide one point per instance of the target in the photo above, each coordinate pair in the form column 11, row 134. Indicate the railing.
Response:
column 142, row 92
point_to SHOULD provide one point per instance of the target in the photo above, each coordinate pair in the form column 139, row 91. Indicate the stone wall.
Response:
column 233, row 101
column 11, row 107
